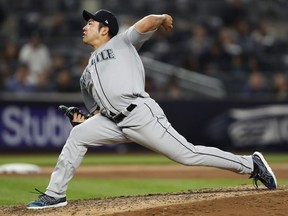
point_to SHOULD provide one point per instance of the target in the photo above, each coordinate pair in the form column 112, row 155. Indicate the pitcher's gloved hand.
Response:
column 71, row 111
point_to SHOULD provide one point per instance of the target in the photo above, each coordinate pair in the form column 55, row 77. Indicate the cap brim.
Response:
column 86, row 15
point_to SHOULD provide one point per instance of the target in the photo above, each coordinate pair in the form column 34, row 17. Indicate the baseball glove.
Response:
column 69, row 112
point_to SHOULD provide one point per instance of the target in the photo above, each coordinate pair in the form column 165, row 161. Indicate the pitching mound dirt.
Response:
column 238, row 201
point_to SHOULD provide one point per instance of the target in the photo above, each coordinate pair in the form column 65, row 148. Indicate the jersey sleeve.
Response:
column 136, row 38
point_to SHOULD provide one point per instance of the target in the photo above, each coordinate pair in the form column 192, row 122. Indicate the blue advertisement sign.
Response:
column 32, row 126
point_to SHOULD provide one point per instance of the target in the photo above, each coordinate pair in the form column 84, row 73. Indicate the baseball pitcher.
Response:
column 112, row 86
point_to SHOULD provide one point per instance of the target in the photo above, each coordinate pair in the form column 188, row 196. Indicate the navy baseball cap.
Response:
column 105, row 17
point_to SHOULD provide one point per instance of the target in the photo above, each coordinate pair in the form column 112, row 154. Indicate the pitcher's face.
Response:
column 91, row 33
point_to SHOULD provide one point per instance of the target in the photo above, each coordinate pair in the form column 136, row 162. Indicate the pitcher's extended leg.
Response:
column 157, row 134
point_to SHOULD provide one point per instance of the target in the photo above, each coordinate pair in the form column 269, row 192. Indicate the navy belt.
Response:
column 120, row 116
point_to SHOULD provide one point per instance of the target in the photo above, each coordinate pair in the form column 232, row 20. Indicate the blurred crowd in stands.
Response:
column 242, row 42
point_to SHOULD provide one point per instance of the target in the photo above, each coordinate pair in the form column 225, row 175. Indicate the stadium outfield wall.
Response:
column 33, row 123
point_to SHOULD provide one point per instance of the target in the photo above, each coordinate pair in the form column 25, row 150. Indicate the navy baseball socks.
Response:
column 262, row 172
column 46, row 201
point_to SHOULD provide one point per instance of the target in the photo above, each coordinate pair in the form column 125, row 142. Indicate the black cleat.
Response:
column 46, row 201
column 263, row 172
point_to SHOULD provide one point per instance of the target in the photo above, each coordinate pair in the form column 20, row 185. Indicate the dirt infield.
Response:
column 238, row 201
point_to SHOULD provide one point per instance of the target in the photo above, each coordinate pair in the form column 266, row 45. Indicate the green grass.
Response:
column 112, row 159
column 89, row 159
column 15, row 190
